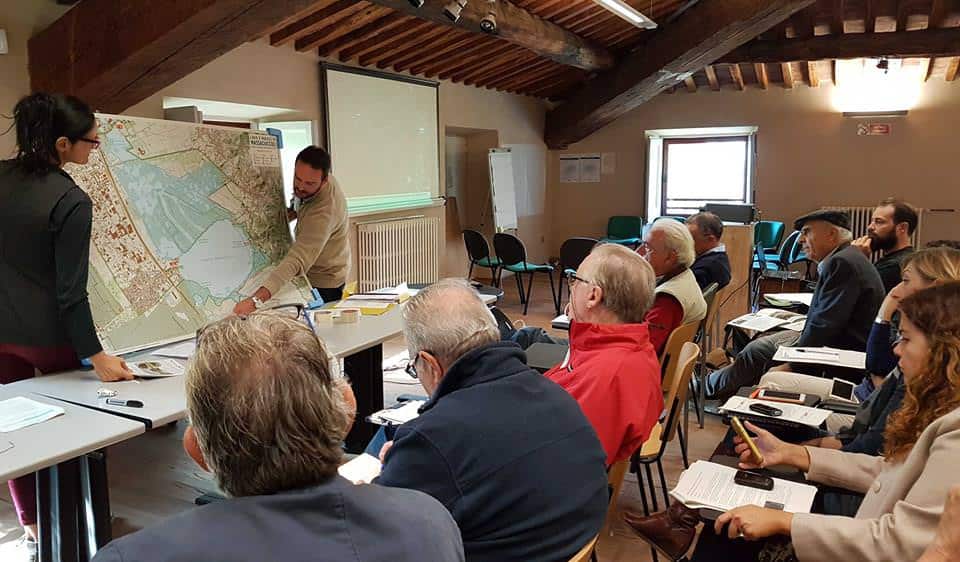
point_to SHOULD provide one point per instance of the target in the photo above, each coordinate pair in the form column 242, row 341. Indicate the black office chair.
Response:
column 513, row 257
column 479, row 253
column 572, row 253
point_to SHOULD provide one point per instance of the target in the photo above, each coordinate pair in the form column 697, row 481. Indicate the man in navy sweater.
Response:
column 712, row 264
column 506, row 450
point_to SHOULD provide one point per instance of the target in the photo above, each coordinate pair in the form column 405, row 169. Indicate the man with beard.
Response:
column 889, row 232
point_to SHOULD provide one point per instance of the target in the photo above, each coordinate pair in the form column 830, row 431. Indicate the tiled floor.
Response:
column 151, row 478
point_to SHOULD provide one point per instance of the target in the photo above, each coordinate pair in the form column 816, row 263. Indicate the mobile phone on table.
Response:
column 753, row 480
column 781, row 396
column 765, row 410
column 842, row 390
column 742, row 433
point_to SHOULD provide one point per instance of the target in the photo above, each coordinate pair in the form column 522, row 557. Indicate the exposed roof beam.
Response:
column 737, row 76
column 703, row 34
column 690, row 83
column 787, row 72
column 760, row 70
column 712, row 77
column 517, row 26
column 900, row 44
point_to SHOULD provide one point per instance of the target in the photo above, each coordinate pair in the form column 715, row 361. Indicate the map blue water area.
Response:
column 116, row 147
column 175, row 210
column 220, row 262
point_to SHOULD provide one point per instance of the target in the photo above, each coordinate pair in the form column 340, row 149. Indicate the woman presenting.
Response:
column 45, row 222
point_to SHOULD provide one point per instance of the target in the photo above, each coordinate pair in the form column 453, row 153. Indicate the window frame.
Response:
column 668, row 142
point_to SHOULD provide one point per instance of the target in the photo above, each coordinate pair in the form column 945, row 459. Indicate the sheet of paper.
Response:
column 796, row 325
column 796, row 413
column 801, row 298
column 182, row 350
column 711, row 485
column 561, row 321
column 569, row 169
column 822, row 356
column 362, row 469
column 19, row 412
column 156, row 367
column 757, row 322
column 400, row 415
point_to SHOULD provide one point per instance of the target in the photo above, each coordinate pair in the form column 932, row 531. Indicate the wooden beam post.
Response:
column 899, row 44
column 737, row 76
column 787, row 70
column 690, row 83
column 760, row 70
column 518, row 26
column 712, row 77
column 115, row 53
column 701, row 35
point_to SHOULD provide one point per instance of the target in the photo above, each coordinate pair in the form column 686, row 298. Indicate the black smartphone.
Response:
column 766, row 410
column 753, row 480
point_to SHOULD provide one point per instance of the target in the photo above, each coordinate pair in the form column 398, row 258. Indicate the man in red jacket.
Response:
column 612, row 369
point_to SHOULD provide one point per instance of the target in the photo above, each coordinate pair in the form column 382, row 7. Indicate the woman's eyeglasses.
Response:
column 94, row 142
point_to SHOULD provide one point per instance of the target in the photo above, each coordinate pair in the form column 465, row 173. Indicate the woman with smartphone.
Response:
column 905, row 490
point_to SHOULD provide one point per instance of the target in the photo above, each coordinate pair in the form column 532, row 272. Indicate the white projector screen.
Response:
column 382, row 134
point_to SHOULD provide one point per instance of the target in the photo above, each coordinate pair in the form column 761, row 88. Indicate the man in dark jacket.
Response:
column 507, row 451
column 268, row 420
column 712, row 264
column 845, row 302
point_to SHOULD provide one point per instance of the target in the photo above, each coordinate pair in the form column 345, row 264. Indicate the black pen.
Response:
column 127, row 403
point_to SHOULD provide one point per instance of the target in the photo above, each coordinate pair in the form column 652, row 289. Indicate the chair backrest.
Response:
column 709, row 295
column 796, row 252
column 788, row 248
column 760, row 256
column 768, row 233
column 680, row 335
column 615, row 476
column 679, row 386
column 476, row 244
column 573, row 251
column 509, row 248
column 620, row 227
column 586, row 551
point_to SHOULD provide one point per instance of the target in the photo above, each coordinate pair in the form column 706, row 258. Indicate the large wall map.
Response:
column 187, row 220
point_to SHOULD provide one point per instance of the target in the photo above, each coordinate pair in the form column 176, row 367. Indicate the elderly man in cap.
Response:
column 845, row 302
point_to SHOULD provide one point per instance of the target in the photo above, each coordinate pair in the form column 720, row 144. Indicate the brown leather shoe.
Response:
column 671, row 532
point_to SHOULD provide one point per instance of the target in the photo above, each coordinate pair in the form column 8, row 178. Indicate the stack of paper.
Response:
column 710, row 485
column 561, row 322
column 767, row 319
column 19, row 412
column 797, row 298
column 362, row 469
column 397, row 416
column 151, row 368
column 795, row 413
column 822, row 356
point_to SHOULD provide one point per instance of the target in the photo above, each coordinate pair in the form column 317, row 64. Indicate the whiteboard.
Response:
column 503, row 189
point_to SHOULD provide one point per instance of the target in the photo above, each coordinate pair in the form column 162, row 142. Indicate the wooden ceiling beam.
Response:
column 402, row 45
column 899, row 44
column 690, row 83
column 412, row 26
column 705, row 33
column 419, row 61
column 528, row 78
column 496, row 57
column 81, row 53
column 838, row 17
column 379, row 25
column 421, row 46
column 520, row 60
column 903, row 15
column 314, row 21
column 787, row 70
column 560, row 82
column 460, row 64
column 517, row 26
column 760, row 70
column 712, row 77
column 510, row 73
column 813, row 79
column 297, row 16
column 737, row 76
column 340, row 28
column 869, row 16
column 952, row 67
column 939, row 10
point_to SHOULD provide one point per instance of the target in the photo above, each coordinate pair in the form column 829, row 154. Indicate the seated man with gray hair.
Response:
column 507, row 451
column 612, row 368
column 668, row 247
column 845, row 302
column 268, row 418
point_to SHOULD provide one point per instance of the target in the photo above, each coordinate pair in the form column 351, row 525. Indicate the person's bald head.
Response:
column 616, row 287
column 442, row 323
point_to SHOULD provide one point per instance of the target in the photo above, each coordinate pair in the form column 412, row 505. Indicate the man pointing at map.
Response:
column 320, row 250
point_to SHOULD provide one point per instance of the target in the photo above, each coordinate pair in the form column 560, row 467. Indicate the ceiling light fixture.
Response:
column 416, row 3
column 627, row 12
column 453, row 8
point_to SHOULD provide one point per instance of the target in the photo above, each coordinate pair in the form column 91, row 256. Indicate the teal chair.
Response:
column 626, row 230
column 768, row 234
column 513, row 257
column 479, row 253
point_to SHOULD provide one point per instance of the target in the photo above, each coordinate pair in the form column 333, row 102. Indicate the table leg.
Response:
column 96, row 502
column 365, row 369
column 58, row 509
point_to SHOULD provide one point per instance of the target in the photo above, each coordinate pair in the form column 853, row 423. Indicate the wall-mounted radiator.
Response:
column 860, row 218
column 399, row 250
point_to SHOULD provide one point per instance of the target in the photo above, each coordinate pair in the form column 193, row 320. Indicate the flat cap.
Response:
column 836, row 218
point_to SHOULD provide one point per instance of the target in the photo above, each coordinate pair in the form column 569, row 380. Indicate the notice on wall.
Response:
column 873, row 129
column 569, row 169
column 590, row 169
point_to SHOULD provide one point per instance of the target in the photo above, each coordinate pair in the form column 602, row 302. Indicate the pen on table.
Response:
column 817, row 351
column 127, row 403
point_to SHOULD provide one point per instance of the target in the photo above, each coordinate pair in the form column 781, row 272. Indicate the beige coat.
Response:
column 321, row 250
column 903, row 503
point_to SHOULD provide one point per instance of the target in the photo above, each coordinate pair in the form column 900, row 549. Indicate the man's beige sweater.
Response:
column 321, row 249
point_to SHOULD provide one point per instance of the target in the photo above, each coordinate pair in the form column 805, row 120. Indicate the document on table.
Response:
column 822, row 356
column 397, row 416
column 362, row 469
column 766, row 319
column 156, row 367
column 710, row 485
column 561, row 322
column 19, row 412
column 799, row 298
column 795, row 413
column 182, row 350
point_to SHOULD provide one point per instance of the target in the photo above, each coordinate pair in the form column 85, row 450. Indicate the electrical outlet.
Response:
column 3, row 42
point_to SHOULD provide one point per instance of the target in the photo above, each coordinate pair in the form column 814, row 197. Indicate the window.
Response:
column 690, row 168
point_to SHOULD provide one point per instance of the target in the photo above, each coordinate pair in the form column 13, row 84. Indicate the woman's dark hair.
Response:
column 40, row 119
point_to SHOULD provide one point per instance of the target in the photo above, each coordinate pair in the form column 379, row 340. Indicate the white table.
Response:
column 72, row 506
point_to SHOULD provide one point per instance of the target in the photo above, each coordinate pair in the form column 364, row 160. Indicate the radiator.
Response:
column 394, row 251
column 860, row 218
